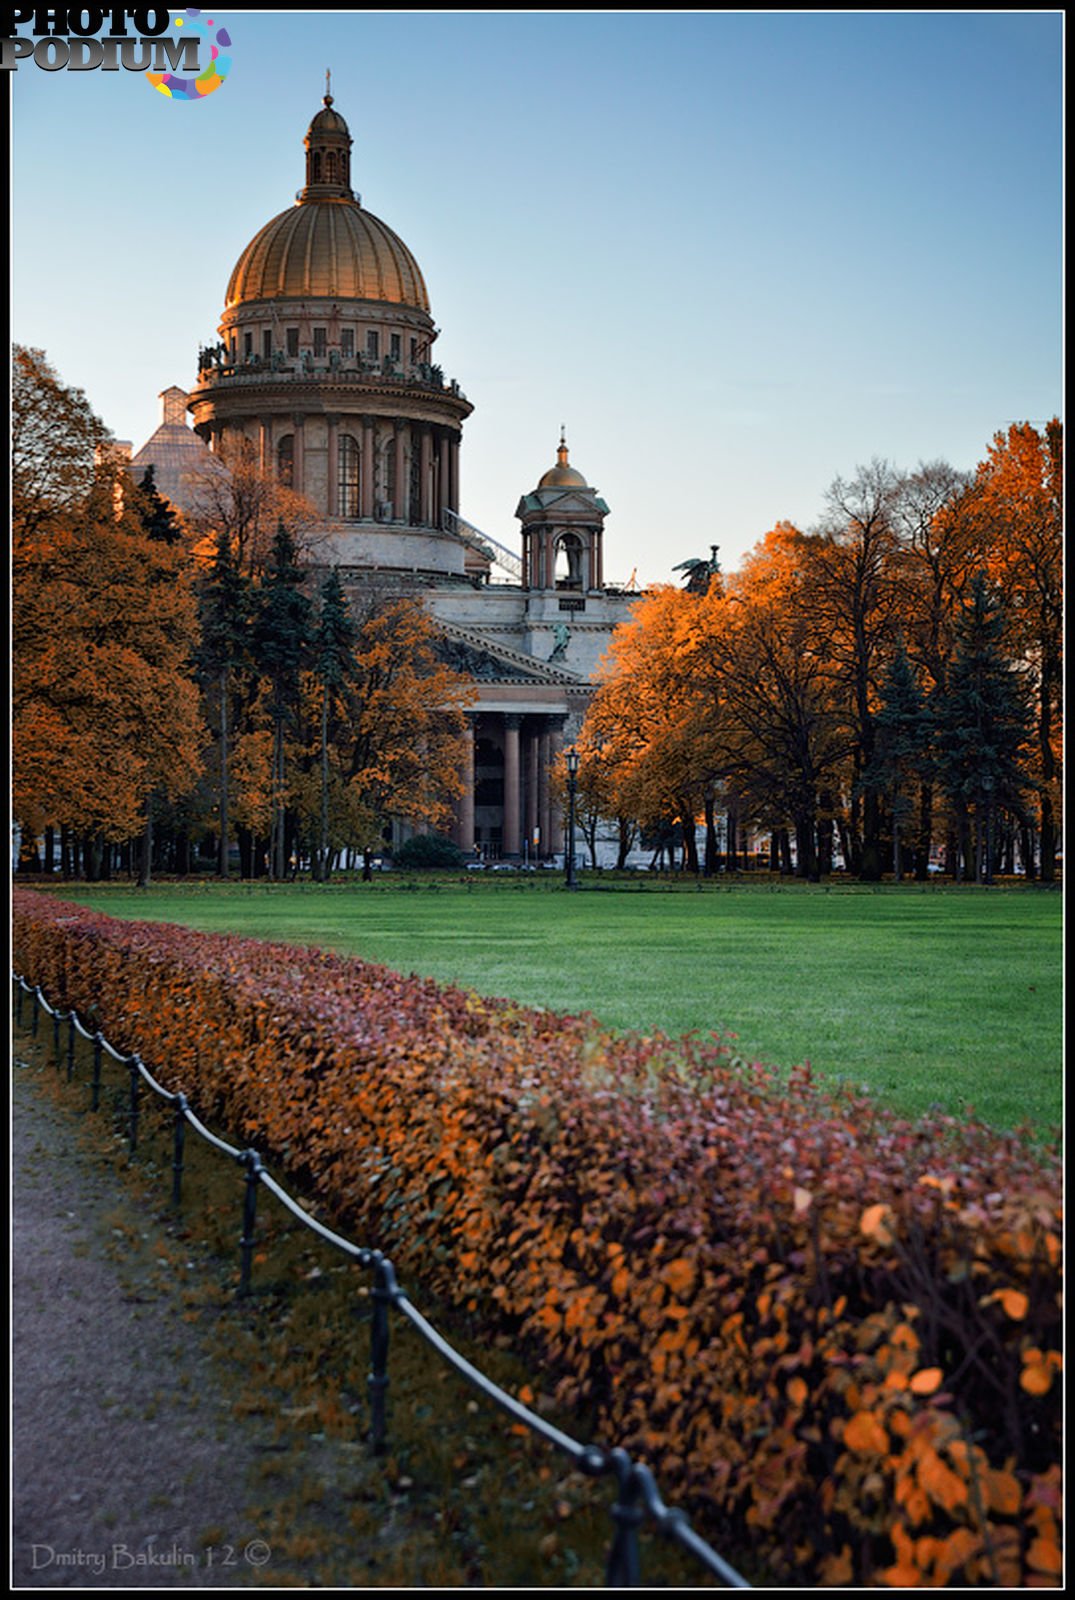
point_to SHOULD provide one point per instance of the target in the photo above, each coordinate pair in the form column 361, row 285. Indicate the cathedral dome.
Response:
column 328, row 248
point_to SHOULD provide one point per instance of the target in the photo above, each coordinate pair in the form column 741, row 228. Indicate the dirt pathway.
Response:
column 128, row 1469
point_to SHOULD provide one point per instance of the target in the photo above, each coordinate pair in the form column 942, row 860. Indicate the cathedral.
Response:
column 325, row 363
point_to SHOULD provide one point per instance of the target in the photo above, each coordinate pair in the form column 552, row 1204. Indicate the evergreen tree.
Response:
column 333, row 649
column 155, row 513
column 224, row 610
column 983, row 721
column 282, row 638
column 901, row 743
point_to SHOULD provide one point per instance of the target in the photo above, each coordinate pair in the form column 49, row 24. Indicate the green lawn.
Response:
column 927, row 994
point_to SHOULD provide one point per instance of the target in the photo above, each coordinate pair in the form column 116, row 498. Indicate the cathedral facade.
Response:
column 325, row 364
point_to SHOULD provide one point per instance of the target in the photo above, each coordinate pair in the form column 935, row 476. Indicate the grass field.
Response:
column 928, row 995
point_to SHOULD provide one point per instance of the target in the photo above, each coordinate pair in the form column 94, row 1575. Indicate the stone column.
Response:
column 265, row 460
column 332, row 503
column 297, row 460
column 443, row 497
column 512, row 789
column 556, row 817
column 453, row 473
column 399, row 508
column 367, row 471
column 425, row 477
column 532, row 805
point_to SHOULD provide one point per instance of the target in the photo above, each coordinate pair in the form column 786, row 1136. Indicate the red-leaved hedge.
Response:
column 834, row 1334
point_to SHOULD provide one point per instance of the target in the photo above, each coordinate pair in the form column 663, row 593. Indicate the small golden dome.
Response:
column 328, row 121
column 331, row 249
column 562, row 476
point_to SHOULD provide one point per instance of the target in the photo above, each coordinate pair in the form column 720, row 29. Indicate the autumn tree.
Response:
column 1015, row 506
column 854, row 602
column 104, row 711
column 55, row 442
column 648, row 737
column 938, row 555
column 783, row 737
column 401, row 748
column 234, row 496
column 334, row 640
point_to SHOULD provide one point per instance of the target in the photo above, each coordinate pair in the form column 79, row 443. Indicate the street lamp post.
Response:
column 572, row 761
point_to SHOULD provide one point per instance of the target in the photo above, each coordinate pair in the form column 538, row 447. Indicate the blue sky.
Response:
column 736, row 254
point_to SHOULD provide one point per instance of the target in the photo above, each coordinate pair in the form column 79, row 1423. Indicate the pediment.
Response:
column 489, row 661
column 553, row 503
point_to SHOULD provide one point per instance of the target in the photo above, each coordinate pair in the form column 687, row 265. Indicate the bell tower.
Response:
column 563, row 527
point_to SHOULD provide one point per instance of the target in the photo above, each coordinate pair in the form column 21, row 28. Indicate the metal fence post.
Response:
column 70, row 1045
column 385, row 1291
column 252, row 1162
column 56, row 1038
column 178, row 1137
column 132, row 1125
column 18, row 1002
column 95, row 1081
column 624, row 1565
column 37, row 1008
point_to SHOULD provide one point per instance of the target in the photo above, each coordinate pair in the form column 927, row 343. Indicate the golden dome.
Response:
column 328, row 249
column 327, row 246
column 562, row 476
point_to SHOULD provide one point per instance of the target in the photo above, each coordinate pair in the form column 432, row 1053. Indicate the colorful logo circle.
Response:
column 213, row 70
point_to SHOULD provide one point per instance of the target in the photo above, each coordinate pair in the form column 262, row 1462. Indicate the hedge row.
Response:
column 833, row 1334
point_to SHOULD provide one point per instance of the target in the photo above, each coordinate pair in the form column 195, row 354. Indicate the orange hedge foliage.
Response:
column 833, row 1334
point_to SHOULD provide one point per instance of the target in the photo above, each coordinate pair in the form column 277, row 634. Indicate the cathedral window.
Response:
column 248, row 345
column 347, row 341
column 373, row 344
column 330, row 167
column 396, row 346
column 266, row 344
column 285, row 459
column 320, row 342
column 292, row 341
column 347, row 487
column 569, row 562
column 316, row 172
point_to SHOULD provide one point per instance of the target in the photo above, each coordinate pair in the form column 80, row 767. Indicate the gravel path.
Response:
column 128, row 1468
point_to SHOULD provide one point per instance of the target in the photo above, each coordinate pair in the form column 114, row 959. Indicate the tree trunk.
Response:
column 711, row 845
column 1026, row 850
column 925, row 833
column 223, row 843
column 825, row 830
column 690, row 847
column 145, row 856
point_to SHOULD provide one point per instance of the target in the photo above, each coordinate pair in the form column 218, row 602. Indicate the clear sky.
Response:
column 736, row 254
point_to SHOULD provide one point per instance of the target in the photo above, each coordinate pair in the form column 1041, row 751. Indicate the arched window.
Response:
column 569, row 561
column 285, row 459
column 330, row 167
column 347, row 486
column 316, row 174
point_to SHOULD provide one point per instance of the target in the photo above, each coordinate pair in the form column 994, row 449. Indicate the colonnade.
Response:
column 413, row 466
column 508, row 808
